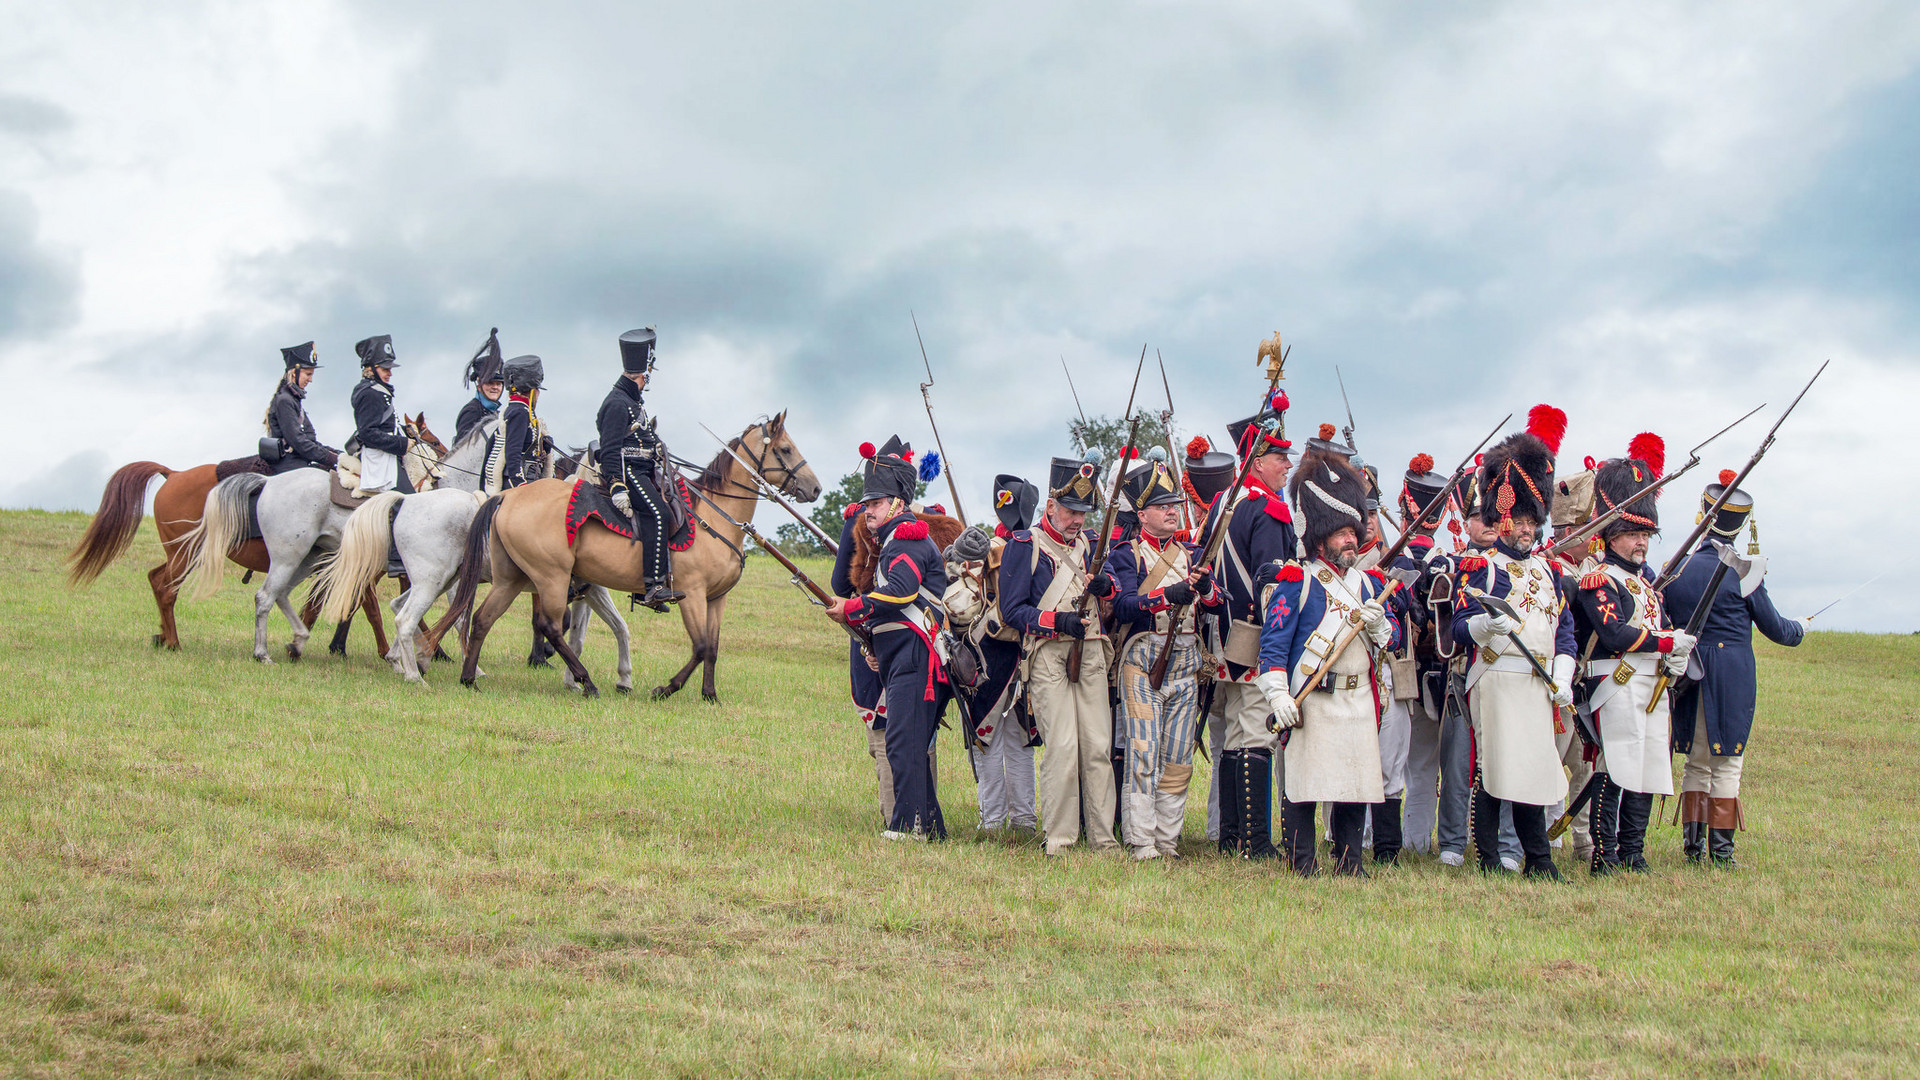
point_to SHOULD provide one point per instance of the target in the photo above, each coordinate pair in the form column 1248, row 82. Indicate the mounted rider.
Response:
column 629, row 451
column 486, row 374
column 378, row 438
column 290, row 442
column 517, row 454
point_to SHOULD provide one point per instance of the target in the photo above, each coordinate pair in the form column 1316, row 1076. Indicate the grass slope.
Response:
column 213, row 867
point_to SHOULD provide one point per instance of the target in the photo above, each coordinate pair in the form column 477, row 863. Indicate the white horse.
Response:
column 299, row 524
column 430, row 532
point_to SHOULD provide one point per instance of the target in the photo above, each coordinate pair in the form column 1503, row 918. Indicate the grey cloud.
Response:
column 38, row 289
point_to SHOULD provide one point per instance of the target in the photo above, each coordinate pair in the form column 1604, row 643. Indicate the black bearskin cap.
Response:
column 1516, row 480
column 1616, row 481
column 1327, row 494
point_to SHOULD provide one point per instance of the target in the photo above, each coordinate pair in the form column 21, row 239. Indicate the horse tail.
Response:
column 111, row 531
column 471, row 563
column 360, row 560
column 222, row 529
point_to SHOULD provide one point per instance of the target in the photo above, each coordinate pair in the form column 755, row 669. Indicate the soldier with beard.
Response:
column 1713, row 707
column 1627, row 643
column 1515, row 715
column 1333, row 736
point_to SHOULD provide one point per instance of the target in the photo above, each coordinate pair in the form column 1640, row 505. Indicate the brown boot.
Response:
column 1723, row 818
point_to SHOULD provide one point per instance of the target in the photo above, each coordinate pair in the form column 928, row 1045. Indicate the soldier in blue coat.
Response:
column 1713, row 705
column 903, row 612
column 863, row 670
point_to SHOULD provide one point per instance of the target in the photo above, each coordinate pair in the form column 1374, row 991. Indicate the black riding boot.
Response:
column 1723, row 818
column 1296, row 833
column 1530, row 825
column 1386, row 832
column 1693, row 825
column 395, row 568
column 1227, row 766
column 1348, row 823
column 1486, row 831
column 1636, row 808
column 1604, row 822
column 1256, row 806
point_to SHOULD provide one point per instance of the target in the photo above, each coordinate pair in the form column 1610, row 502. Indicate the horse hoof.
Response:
column 711, row 699
column 262, row 659
column 337, row 650
column 623, row 689
column 661, row 693
column 468, row 683
column 531, row 662
column 440, row 654
column 589, row 691
column 159, row 641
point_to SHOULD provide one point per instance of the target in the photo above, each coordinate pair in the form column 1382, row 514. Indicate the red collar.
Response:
column 1047, row 524
column 1258, row 488
column 1157, row 545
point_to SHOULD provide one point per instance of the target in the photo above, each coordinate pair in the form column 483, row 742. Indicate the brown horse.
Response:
column 177, row 507
column 523, row 535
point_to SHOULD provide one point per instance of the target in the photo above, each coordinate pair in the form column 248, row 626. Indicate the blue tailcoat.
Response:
column 1726, row 693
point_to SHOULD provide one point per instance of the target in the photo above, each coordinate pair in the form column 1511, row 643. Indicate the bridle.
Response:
column 759, row 459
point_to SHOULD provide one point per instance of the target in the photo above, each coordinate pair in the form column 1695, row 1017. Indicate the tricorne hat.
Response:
column 1265, row 432
column 889, row 471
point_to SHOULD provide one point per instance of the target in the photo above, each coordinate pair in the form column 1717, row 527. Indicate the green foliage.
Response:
column 830, row 512
column 1109, row 434
column 214, row 867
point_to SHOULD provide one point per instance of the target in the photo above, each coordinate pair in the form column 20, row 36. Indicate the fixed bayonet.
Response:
column 1080, row 433
column 952, row 488
column 1343, row 400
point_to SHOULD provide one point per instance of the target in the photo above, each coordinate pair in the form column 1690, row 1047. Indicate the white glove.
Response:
column 1486, row 628
column 622, row 501
column 1675, row 665
column 1286, row 714
column 1563, row 678
column 1683, row 644
column 1374, row 617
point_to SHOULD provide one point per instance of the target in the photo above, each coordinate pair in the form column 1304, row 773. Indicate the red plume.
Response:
column 1547, row 424
column 867, row 450
column 1727, row 477
column 1651, row 449
column 1278, row 402
column 1421, row 463
column 906, row 456
column 1326, row 432
column 1197, row 446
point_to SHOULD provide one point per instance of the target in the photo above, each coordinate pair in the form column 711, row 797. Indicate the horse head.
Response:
column 780, row 463
column 425, row 455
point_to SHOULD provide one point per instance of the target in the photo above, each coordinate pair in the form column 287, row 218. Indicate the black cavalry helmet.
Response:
column 376, row 351
column 1014, row 501
column 636, row 350
column 301, row 356
column 486, row 365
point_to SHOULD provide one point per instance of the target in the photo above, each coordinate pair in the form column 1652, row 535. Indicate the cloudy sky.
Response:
column 1656, row 216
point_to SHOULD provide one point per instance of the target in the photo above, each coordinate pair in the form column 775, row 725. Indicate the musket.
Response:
column 1672, row 569
column 1729, row 560
column 1166, row 430
column 1107, row 521
column 952, row 488
column 815, row 594
column 1577, row 539
column 1401, row 577
column 1846, row 595
column 772, row 494
column 1275, row 355
column 1080, row 434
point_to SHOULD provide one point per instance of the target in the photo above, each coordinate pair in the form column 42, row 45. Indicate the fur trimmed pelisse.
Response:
column 941, row 529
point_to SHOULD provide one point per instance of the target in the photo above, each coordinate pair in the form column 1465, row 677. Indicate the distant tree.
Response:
column 1108, row 434
column 829, row 513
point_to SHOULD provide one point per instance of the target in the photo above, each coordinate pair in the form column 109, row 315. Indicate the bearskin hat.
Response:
column 1615, row 483
column 1328, row 494
column 1733, row 513
column 889, row 471
column 1517, row 474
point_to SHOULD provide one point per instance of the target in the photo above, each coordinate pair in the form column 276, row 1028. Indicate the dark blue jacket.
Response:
column 1021, row 588
column 1295, row 610
column 520, row 446
column 1725, row 695
column 1602, row 608
column 1134, row 613
column 1475, row 570
column 373, row 419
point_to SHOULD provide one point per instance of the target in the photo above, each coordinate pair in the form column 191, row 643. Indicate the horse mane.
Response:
column 715, row 474
column 474, row 434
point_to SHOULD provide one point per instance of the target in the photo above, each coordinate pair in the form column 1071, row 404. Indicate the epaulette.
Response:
column 911, row 530
column 1470, row 563
column 852, row 509
column 1378, row 577
column 1596, row 579
column 1291, row 572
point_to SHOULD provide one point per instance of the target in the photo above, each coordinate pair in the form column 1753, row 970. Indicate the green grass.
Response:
column 218, row 868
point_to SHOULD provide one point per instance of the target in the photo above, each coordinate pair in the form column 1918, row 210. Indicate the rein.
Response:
column 760, row 467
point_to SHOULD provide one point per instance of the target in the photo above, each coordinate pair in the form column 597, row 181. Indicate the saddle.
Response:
column 342, row 494
column 589, row 501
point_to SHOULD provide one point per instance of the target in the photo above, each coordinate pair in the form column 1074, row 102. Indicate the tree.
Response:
column 1109, row 434
column 829, row 513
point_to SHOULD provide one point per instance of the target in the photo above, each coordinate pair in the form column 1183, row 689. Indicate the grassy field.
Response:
column 218, row 868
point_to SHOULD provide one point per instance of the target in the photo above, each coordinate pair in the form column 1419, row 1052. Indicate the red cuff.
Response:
column 1046, row 622
column 1663, row 643
column 856, row 611
column 1156, row 601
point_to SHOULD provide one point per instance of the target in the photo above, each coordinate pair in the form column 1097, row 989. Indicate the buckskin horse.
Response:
column 177, row 506
column 522, row 537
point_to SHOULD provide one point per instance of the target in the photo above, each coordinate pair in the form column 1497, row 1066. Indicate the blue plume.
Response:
column 1094, row 455
column 929, row 466
column 1158, row 453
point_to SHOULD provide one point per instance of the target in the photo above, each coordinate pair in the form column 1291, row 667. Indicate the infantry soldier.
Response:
column 486, row 374
column 627, row 450
column 903, row 613
column 1572, row 508
column 1623, row 624
column 517, row 454
column 1156, row 576
column 290, row 443
column 863, row 668
column 1333, row 737
column 1259, row 533
column 1002, row 730
column 1044, row 573
column 1204, row 476
column 1515, row 716
column 1713, row 710
column 381, row 441
column 1419, row 488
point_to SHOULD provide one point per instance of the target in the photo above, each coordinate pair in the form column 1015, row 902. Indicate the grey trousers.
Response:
column 1006, row 780
column 1456, row 792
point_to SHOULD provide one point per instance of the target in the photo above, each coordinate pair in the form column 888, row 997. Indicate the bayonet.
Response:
column 773, row 495
column 952, row 487
column 1080, row 433
column 1349, row 405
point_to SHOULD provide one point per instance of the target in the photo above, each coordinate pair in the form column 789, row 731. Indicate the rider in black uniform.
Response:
column 290, row 443
column 628, row 449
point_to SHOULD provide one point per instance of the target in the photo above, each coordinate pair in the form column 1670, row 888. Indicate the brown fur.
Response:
column 177, row 507
column 941, row 529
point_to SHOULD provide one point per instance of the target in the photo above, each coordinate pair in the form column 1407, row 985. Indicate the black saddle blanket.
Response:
column 589, row 501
